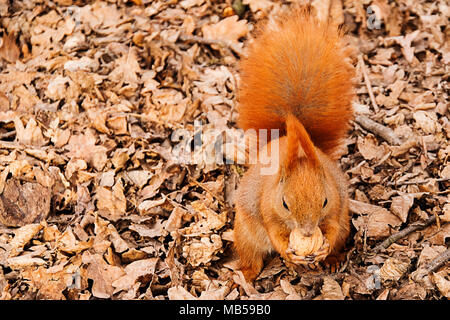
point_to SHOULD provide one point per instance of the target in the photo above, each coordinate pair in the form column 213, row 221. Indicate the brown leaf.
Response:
column 179, row 293
column 111, row 204
column 259, row 5
column 290, row 290
column 400, row 206
column 102, row 274
column 427, row 121
column 369, row 148
column 175, row 219
column 202, row 251
column 381, row 224
column 83, row 146
column 145, row 206
column 207, row 219
column 127, row 68
column 428, row 253
column 133, row 272
column 98, row 119
column 228, row 29
column 331, row 290
column 29, row 135
column 49, row 284
column 118, row 124
column 377, row 221
column 22, row 236
column 442, row 282
column 321, row 9
column 21, row 204
column 9, row 49
column 393, row 269
column 69, row 244
column 24, row 261
column 405, row 42
column 156, row 230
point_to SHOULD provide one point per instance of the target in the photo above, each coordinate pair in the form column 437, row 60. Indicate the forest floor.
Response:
column 97, row 98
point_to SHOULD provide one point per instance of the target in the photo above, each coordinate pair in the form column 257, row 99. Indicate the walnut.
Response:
column 303, row 246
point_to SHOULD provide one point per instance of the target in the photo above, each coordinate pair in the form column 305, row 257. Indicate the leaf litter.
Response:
column 95, row 202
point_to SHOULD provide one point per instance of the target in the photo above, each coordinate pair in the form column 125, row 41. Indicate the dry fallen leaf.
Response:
column 8, row 48
column 228, row 29
column 442, row 282
column 22, row 236
column 369, row 148
column 331, row 290
column 405, row 43
column 259, row 5
column 29, row 135
column 134, row 271
column 112, row 203
column 377, row 221
column 290, row 290
column 21, row 204
column 68, row 243
column 393, row 269
column 102, row 274
column 208, row 220
column 426, row 121
column 84, row 146
column 24, row 261
column 179, row 293
column 49, row 284
column 127, row 68
column 428, row 253
column 203, row 251
column 400, row 206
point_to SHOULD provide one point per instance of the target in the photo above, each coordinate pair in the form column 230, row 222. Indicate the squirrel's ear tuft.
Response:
column 299, row 144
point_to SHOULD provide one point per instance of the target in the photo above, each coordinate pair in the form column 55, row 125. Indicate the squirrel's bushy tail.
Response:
column 298, row 67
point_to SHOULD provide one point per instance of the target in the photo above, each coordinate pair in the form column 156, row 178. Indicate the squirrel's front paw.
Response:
column 323, row 252
column 312, row 258
column 291, row 257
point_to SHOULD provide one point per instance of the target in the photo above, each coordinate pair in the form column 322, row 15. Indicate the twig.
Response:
column 198, row 184
column 7, row 134
column 367, row 82
column 397, row 151
column 438, row 262
column 221, row 43
column 416, row 182
column 378, row 129
column 403, row 233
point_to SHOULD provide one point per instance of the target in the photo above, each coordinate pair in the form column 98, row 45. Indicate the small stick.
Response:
column 403, row 233
column 208, row 191
column 7, row 134
column 368, row 84
column 438, row 262
column 416, row 182
column 221, row 43
column 397, row 151
column 378, row 129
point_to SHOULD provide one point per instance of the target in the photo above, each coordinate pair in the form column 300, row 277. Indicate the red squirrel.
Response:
column 295, row 78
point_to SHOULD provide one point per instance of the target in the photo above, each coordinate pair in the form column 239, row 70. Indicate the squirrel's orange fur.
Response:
column 296, row 79
column 297, row 66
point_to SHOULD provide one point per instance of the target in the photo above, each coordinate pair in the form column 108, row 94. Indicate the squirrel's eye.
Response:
column 285, row 204
column 325, row 203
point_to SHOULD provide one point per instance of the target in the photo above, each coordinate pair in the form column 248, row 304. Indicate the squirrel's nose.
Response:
column 308, row 229
column 308, row 233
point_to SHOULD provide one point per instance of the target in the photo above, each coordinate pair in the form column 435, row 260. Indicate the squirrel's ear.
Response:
column 299, row 144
